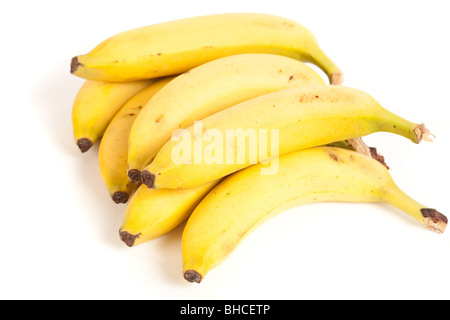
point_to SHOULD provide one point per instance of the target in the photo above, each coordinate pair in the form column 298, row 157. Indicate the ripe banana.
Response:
column 152, row 213
column 296, row 118
column 205, row 90
column 96, row 104
column 247, row 199
column 113, row 150
column 175, row 47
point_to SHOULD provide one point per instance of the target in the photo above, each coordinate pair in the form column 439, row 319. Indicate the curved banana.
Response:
column 96, row 104
column 204, row 90
column 175, row 47
column 247, row 199
column 152, row 213
column 270, row 125
column 113, row 150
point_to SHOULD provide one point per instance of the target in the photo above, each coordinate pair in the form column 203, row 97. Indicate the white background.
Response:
column 59, row 229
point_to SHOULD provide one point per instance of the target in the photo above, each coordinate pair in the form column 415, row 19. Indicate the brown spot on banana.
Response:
column 333, row 156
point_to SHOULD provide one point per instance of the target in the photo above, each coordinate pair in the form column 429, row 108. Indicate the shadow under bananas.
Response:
column 54, row 97
column 168, row 248
column 78, row 174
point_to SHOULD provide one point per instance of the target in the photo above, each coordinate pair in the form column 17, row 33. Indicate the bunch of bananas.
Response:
column 160, row 100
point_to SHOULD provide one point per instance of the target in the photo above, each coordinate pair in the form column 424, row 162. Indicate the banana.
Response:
column 247, row 199
column 174, row 47
column 295, row 118
column 205, row 90
column 96, row 104
column 152, row 213
column 113, row 150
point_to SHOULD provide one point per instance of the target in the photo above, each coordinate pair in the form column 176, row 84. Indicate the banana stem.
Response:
column 335, row 75
column 423, row 133
column 430, row 218
column 390, row 122
column 358, row 145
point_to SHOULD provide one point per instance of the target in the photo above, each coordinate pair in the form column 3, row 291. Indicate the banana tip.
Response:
column 148, row 178
column 128, row 238
column 434, row 220
column 120, row 197
column 74, row 64
column 134, row 175
column 192, row 276
column 84, row 144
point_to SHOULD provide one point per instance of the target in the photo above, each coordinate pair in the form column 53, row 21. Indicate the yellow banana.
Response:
column 152, row 213
column 175, row 47
column 246, row 199
column 282, row 122
column 113, row 150
column 204, row 90
column 96, row 104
